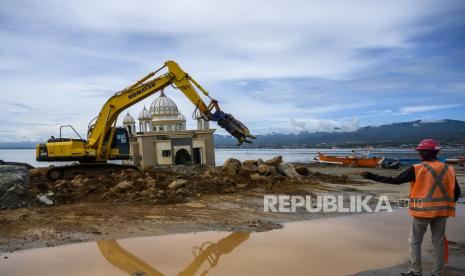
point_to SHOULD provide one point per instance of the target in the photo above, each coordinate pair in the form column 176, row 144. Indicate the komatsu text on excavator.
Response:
column 106, row 142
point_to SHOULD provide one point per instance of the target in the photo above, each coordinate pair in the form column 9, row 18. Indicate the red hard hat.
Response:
column 428, row 144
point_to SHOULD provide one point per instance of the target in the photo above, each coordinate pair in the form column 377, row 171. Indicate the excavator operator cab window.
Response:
column 121, row 141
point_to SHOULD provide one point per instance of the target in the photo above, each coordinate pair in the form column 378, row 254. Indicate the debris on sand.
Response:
column 275, row 161
column 178, row 183
column 45, row 199
column 122, row 187
column 161, row 185
column 287, row 169
column 257, row 176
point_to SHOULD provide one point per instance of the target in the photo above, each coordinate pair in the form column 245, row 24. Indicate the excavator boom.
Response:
column 148, row 86
column 103, row 135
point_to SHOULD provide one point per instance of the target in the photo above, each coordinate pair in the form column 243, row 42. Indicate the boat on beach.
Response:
column 351, row 161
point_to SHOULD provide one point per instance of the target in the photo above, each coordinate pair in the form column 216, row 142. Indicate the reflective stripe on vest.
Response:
column 429, row 206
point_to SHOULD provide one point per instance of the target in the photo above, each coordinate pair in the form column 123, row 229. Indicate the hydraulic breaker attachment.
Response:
column 233, row 126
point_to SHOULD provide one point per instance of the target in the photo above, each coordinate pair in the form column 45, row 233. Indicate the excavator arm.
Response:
column 99, row 133
column 208, row 252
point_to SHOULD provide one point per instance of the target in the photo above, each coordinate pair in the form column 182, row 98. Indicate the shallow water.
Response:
column 330, row 246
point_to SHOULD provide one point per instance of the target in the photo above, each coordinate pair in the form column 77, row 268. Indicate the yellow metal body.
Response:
column 101, row 132
column 208, row 252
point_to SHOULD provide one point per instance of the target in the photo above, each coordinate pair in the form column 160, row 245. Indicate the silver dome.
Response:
column 181, row 117
column 163, row 106
column 144, row 114
column 128, row 119
column 165, row 118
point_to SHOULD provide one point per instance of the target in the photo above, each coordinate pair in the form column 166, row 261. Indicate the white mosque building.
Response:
column 162, row 138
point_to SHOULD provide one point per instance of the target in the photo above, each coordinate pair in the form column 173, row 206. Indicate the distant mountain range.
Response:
column 449, row 132
column 18, row 145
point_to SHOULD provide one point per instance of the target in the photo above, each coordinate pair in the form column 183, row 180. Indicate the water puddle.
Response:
column 331, row 246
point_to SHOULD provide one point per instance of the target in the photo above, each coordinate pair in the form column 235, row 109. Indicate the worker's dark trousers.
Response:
column 438, row 229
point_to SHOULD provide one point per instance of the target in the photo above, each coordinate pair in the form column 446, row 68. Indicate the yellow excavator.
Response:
column 106, row 142
column 207, row 252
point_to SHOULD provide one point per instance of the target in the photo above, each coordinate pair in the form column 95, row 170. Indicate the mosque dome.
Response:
column 165, row 118
column 163, row 106
column 144, row 114
column 181, row 117
column 128, row 119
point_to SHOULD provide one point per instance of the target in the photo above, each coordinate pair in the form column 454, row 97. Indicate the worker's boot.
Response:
column 410, row 273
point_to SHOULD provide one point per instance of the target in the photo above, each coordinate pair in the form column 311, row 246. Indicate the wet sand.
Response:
column 374, row 243
column 35, row 227
column 161, row 239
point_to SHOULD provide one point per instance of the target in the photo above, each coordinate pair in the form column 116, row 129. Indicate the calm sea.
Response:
column 289, row 155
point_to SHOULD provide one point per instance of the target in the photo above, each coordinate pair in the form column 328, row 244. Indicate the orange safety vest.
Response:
column 432, row 192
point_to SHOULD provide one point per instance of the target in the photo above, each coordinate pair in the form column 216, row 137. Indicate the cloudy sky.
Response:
column 282, row 66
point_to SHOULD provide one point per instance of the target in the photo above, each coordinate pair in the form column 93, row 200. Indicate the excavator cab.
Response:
column 120, row 144
column 70, row 149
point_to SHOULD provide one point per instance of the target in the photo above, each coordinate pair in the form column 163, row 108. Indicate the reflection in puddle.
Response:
column 207, row 252
column 330, row 246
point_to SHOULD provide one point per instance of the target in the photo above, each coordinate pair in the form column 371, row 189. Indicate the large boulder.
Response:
column 275, row 161
column 257, row 176
column 250, row 166
column 249, row 169
column 287, row 169
column 123, row 186
column 266, row 170
column 14, row 185
column 178, row 183
column 231, row 167
column 78, row 181
column 250, row 163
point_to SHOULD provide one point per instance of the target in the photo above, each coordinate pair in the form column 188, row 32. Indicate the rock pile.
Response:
column 273, row 167
column 156, row 185
column 166, row 185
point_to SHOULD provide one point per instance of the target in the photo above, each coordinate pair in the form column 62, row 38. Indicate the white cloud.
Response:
column 67, row 57
column 234, row 39
column 324, row 125
column 424, row 108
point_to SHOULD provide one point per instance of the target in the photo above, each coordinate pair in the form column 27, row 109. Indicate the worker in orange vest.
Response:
column 433, row 192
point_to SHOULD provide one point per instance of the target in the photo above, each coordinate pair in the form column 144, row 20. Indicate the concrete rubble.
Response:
column 23, row 186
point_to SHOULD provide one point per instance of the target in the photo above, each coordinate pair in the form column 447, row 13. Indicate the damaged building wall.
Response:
column 189, row 147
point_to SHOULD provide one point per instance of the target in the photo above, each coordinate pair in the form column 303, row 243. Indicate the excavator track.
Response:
column 86, row 169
